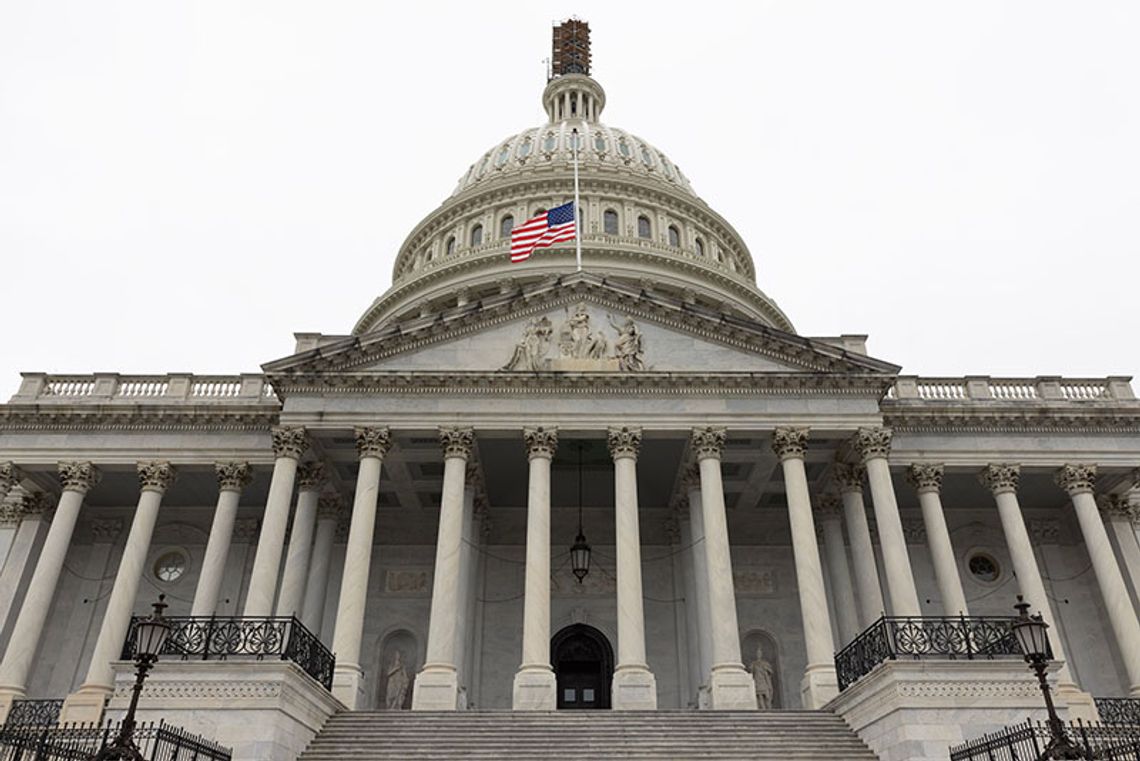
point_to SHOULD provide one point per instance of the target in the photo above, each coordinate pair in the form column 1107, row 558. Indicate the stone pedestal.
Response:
column 731, row 688
column 916, row 710
column 634, row 688
column 535, row 689
column 818, row 685
column 267, row 710
column 85, row 705
column 437, row 689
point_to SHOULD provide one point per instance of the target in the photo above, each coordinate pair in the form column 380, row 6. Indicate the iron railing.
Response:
column 892, row 638
column 156, row 742
column 1119, row 710
column 1026, row 742
column 282, row 638
column 36, row 713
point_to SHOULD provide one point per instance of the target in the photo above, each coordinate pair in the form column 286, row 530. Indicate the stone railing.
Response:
column 984, row 388
column 111, row 388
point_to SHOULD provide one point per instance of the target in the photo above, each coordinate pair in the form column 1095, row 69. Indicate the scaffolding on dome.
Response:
column 571, row 51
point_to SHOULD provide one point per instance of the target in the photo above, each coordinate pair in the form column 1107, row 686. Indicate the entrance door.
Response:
column 583, row 665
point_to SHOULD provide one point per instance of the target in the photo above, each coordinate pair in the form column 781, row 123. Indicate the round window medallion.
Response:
column 984, row 568
column 170, row 566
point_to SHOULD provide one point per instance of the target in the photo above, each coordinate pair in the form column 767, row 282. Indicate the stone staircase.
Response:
column 587, row 735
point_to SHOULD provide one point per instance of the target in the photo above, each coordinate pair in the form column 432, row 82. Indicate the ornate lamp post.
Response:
column 1034, row 643
column 580, row 551
column 150, row 635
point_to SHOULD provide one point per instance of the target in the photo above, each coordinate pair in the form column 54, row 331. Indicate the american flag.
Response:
column 546, row 229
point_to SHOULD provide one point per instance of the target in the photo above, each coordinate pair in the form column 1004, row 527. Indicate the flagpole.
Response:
column 577, row 213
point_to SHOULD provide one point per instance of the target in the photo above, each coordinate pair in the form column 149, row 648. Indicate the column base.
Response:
column 819, row 685
column 535, row 689
column 731, row 688
column 85, row 705
column 634, row 688
column 348, row 686
column 1080, row 703
column 436, row 688
column 9, row 695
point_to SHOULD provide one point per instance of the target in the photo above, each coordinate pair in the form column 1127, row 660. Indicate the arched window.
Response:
column 643, row 228
column 476, row 235
column 610, row 222
column 506, row 225
column 674, row 237
column 700, row 247
column 451, row 245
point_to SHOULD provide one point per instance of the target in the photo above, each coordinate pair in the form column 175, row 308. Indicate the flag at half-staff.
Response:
column 542, row 231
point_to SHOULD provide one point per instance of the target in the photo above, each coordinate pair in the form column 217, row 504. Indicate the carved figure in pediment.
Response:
column 628, row 348
column 575, row 339
column 530, row 352
column 762, row 674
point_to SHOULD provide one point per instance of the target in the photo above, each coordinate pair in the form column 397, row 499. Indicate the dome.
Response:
column 639, row 222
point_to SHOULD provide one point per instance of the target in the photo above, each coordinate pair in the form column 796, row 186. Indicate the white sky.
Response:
column 183, row 185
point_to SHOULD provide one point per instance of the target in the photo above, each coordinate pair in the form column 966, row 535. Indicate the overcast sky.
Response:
column 184, row 185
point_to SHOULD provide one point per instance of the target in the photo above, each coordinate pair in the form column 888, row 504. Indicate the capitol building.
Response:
column 530, row 487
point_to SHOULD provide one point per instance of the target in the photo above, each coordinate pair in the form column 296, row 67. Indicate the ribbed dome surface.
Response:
column 603, row 149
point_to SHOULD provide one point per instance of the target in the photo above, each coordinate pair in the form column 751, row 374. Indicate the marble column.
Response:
column 849, row 479
column 310, row 479
column 467, row 575
column 232, row 478
column 18, row 567
column 838, row 568
column 873, row 445
column 692, row 632
column 437, row 685
column 927, row 481
column 1002, row 480
column 730, row 685
column 288, row 446
column 86, row 704
column 77, row 478
column 702, row 609
column 1123, row 518
column 1077, row 481
column 534, row 686
column 372, row 444
column 316, row 587
column 634, row 686
column 819, row 683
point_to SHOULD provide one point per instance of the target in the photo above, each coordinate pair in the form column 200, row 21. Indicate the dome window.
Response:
column 665, row 166
column 644, row 230
column 700, row 247
column 477, row 235
column 451, row 246
column 524, row 148
column 506, row 224
column 504, row 154
column 550, row 143
column 646, row 157
column 600, row 143
column 674, row 236
column 610, row 222
column 483, row 165
column 623, row 148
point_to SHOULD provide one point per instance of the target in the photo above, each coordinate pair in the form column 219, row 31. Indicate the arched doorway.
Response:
column 584, row 667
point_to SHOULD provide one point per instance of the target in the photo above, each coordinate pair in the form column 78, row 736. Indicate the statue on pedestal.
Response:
column 762, row 674
column 397, row 683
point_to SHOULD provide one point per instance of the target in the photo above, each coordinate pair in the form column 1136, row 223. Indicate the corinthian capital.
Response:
column 289, row 442
column 790, row 442
column 873, row 442
column 827, row 507
column 849, row 478
column 78, row 476
column 311, row 475
column 373, row 442
column 708, row 442
column 233, row 476
column 1000, row 478
column 624, row 442
column 540, row 442
column 1117, row 506
column 1076, row 478
column 925, row 477
column 456, row 442
column 9, row 477
column 156, row 475
column 329, row 506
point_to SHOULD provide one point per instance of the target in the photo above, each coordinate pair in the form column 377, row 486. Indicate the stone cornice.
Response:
column 56, row 417
column 1087, row 417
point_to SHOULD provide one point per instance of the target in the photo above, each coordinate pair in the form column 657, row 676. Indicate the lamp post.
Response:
column 580, row 551
column 1034, row 643
column 150, row 635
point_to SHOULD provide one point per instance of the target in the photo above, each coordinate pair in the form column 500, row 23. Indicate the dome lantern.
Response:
column 571, row 94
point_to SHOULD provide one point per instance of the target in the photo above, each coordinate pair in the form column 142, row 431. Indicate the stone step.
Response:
column 629, row 735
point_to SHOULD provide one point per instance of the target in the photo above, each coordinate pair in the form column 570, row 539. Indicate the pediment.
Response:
column 581, row 327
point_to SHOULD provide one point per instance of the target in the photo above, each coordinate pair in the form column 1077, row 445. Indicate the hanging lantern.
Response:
column 580, row 550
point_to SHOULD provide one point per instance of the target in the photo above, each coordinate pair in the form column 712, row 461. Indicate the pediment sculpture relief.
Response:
column 580, row 347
